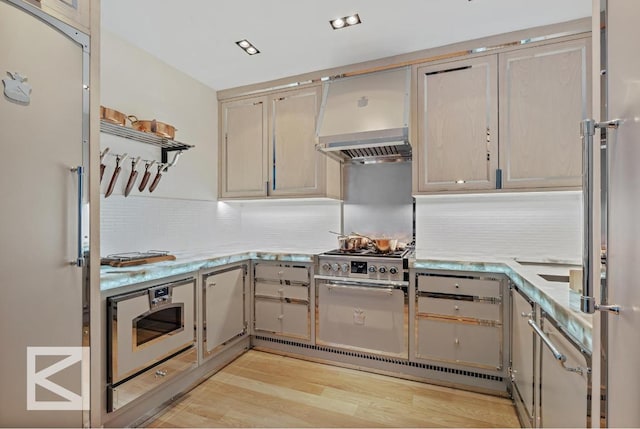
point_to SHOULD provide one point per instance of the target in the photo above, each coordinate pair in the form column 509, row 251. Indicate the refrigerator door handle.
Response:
column 587, row 130
column 80, row 260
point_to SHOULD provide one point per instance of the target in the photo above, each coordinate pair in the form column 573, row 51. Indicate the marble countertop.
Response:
column 553, row 297
column 188, row 262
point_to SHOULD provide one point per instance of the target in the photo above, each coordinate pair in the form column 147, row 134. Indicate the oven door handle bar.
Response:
column 374, row 289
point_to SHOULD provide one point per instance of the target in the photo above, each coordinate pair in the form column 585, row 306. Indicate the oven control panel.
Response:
column 159, row 295
column 362, row 269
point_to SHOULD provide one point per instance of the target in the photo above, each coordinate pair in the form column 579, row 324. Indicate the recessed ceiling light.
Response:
column 352, row 19
column 345, row 21
column 247, row 47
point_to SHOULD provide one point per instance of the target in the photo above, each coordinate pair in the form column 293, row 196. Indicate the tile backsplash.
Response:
column 531, row 225
column 143, row 223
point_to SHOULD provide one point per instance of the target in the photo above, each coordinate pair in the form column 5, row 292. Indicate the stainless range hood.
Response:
column 365, row 119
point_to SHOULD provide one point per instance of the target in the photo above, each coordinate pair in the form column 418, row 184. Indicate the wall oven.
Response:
column 151, row 338
column 362, row 302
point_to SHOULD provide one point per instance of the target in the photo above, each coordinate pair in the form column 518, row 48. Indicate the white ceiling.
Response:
column 198, row 36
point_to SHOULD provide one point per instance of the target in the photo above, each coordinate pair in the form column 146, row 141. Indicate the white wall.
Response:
column 136, row 83
column 532, row 225
column 183, row 214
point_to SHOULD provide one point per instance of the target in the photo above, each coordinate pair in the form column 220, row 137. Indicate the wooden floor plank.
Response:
column 267, row 390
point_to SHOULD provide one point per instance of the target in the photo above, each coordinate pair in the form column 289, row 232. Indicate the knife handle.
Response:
column 102, row 168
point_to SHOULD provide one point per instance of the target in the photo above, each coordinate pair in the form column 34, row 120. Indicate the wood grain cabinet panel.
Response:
column 543, row 96
column 268, row 148
column 458, row 125
column 507, row 120
column 243, row 147
column 298, row 168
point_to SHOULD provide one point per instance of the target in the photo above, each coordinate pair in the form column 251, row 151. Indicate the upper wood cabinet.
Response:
column 243, row 148
column 457, row 125
column 544, row 94
column 298, row 168
column 507, row 120
column 268, row 148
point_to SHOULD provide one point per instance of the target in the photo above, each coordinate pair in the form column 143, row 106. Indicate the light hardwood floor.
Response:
column 267, row 390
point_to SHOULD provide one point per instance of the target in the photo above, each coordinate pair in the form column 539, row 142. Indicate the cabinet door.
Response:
column 543, row 97
column 455, row 342
column 563, row 394
column 296, row 320
column 243, row 145
column 224, row 316
column 268, row 315
column 522, row 352
column 296, row 168
column 435, row 340
column 458, row 125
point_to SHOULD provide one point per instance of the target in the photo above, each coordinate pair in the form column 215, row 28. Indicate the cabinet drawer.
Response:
column 277, row 272
column 462, row 343
column 277, row 290
column 458, row 308
column 459, row 286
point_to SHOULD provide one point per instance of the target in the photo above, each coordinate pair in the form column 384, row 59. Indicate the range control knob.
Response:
column 326, row 266
column 335, row 267
column 382, row 269
column 345, row 268
column 372, row 268
column 393, row 270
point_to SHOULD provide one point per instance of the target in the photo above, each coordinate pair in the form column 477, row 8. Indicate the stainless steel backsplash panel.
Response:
column 377, row 199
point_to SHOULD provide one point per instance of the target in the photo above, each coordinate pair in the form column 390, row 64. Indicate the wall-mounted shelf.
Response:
column 166, row 145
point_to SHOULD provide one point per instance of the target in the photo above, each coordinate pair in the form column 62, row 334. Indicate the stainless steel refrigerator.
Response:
column 44, row 67
column 615, row 298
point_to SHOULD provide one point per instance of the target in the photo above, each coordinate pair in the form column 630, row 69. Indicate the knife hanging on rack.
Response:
column 156, row 180
column 146, row 175
column 112, row 184
column 132, row 176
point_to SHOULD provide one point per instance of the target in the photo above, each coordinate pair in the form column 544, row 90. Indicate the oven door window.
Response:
column 155, row 325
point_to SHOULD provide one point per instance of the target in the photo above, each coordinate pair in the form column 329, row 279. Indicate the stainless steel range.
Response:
column 362, row 301
column 383, row 269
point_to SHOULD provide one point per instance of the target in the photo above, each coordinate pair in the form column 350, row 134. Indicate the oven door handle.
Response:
column 375, row 289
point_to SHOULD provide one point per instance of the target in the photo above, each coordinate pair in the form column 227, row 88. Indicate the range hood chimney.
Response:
column 365, row 119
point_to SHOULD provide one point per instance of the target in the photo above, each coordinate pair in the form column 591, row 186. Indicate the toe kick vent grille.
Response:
column 401, row 362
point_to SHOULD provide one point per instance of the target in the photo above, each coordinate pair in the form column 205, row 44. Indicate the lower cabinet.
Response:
column 564, row 386
column 550, row 372
column 223, row 308
column 459, row 320
column 522, row 357
column 462, row 343
column 282, row 300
